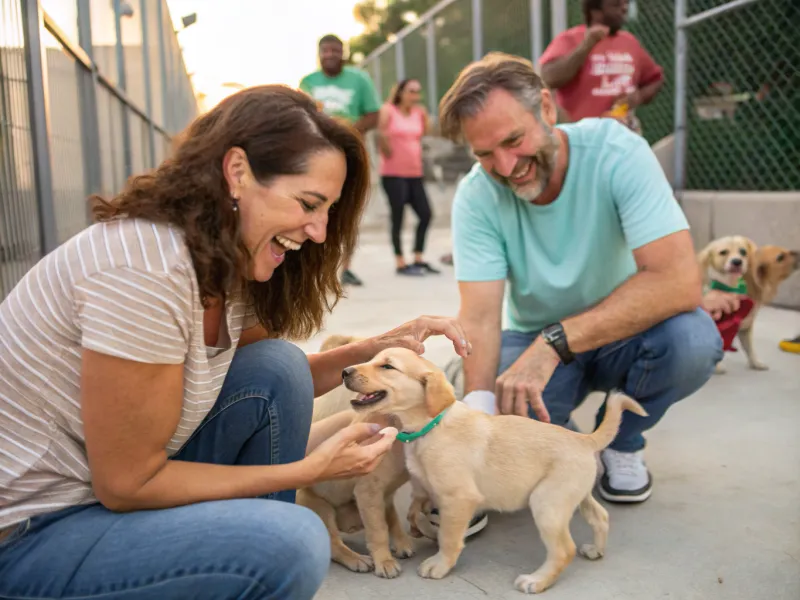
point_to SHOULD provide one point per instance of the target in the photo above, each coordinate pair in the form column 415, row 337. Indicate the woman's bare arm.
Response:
column 130, row 412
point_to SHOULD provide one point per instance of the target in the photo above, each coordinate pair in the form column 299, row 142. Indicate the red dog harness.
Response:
column 728, row 325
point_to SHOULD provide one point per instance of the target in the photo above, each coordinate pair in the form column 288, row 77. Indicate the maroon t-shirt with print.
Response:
column 617, row 65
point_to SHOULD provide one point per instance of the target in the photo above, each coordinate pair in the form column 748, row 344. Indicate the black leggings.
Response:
column 402, row 191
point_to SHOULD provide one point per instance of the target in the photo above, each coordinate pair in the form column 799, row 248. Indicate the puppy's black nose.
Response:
column 347, row 372
column 737, row 262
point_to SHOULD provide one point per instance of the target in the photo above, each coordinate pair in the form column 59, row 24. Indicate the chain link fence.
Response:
column 742, row 96
column 731, row 108
column 91, row 92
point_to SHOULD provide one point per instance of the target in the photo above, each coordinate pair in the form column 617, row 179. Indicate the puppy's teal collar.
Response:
column 414, row 435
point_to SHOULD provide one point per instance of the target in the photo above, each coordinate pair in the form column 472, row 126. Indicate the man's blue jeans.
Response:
column 658, row 367
column 248, row 548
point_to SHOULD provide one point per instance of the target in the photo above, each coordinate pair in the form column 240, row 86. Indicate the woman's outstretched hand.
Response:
column 353, row 451
column 411, row 335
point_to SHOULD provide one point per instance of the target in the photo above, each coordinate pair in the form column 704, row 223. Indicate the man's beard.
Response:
column 544, row 161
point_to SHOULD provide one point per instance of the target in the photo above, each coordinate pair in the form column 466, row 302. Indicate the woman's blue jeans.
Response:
column 250, row 548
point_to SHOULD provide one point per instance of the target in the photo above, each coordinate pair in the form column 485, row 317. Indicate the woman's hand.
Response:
column 411, row 335
column 353, row 451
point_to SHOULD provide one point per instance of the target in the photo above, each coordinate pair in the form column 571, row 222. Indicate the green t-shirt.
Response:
column 349, row 95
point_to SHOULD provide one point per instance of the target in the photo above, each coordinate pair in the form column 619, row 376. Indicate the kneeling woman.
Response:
column 153, row 423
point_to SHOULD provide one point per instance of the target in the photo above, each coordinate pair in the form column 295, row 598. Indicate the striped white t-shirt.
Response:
column 125, row 288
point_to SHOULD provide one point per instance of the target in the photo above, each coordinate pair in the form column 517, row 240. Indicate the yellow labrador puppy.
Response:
column 366, row 502
column 465, row 460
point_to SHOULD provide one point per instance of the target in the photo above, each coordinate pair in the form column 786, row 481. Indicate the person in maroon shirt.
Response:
column 597, row 67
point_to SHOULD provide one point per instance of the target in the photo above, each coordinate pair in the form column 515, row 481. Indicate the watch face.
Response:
column 550, row 333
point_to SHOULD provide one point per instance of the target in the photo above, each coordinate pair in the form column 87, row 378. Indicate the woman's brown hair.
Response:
column 278, row 128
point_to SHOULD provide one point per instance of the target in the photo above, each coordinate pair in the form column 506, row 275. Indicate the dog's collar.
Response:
column 741, row 286
column 414, row 435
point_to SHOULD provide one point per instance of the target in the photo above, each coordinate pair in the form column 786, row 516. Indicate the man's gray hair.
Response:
column 497, row 70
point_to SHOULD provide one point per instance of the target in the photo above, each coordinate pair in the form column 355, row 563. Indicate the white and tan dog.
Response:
column 348, row 505
column 469, row 461
column 764, row 269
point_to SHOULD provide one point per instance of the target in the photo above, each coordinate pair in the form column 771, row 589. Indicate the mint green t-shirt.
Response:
column 563, row 258
column 349, row 95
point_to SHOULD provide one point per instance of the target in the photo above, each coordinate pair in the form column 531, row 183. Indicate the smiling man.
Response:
column 603, row 286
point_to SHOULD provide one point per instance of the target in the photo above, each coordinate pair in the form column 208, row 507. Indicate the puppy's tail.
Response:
column 616, row 402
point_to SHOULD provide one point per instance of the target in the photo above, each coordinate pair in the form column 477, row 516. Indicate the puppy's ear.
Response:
column 752, row 249
column 704, row 261
column 439, row 394
column 756, row 271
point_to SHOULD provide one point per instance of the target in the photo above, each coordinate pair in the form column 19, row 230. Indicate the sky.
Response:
column 251, row 42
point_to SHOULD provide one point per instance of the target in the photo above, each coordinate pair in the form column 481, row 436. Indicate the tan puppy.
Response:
column 343, row 505
column 471, row 461
column 763, row 270
column 726, row 259
column 771, row 266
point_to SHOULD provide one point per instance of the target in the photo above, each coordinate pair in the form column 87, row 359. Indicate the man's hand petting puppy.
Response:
column 523, row 382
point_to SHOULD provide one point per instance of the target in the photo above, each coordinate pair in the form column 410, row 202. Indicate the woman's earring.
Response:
column 235, row 202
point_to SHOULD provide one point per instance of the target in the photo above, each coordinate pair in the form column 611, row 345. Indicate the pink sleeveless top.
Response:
column 405, row 139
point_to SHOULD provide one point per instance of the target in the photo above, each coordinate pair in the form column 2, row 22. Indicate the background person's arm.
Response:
column 370, row 105
column 563, row 59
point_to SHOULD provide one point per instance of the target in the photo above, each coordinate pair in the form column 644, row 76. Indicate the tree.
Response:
column 384, row 18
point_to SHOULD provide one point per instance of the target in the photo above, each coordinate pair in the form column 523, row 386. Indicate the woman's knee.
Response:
column 278, row 365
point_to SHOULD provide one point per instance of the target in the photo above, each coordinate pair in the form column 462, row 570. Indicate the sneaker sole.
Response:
column 625, row 498
column 474, row 527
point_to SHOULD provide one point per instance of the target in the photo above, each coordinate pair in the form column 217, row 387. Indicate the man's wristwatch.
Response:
column 554, row 336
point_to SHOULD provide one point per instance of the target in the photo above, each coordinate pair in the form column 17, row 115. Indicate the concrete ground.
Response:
column 724, row 518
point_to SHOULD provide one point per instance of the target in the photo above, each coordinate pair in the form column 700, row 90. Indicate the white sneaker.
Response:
column 626, row 478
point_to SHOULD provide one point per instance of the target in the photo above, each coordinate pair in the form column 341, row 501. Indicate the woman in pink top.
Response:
column 401, row 124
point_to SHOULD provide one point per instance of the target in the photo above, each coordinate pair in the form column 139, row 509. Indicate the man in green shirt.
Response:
column 344, row 92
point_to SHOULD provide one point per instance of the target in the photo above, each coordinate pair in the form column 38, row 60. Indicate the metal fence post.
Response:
column 148, row 85
column 40, row 122
column 681, row 64
column 88, row 98
column 378, row 76
column 430, row 57
column 537, row 34
column 162, row 56
column 399, row 60
column 477, row 29
column 558, row 17
column 126, row 130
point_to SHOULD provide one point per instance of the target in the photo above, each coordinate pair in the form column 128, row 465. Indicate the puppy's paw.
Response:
column 388, row 569
column 358, row 563
column 435, row 567
column 590, row 551
column 403, row 547
column 530, row 584
column 720, row 369
column 757, row 365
